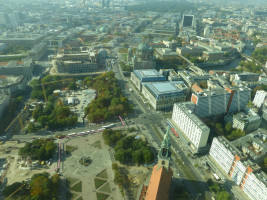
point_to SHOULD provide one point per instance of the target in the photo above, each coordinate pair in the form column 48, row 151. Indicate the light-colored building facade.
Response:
column 247, row 121
column 162, row 95
column 190, row 128
column 242, row 171
column 223, row 153
column 147, row 75
column 260, row 98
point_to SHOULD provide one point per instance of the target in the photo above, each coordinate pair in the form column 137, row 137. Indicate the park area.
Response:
column 86, row 167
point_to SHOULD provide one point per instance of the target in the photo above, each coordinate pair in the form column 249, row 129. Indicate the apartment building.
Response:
column 223, row 153
column 254, row 185
column 222, row 101
column 189, row 127
column 242, row 171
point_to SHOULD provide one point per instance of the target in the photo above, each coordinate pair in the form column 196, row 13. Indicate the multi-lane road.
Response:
column 152, row 121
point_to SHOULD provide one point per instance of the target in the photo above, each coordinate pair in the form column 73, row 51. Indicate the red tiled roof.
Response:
column 159, row 184
column 197, row 88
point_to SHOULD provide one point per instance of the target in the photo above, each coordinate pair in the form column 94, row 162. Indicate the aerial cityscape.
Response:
column 133, row 100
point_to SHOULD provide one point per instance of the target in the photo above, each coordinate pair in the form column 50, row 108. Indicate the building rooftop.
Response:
column 253, row 144
column 187, row 108
column 9, row 80
column 166, row 89
column 159, row 184
column 231, row 147
column 247, row 116
column 13, row 63
column 3, row 98
column 149, row 75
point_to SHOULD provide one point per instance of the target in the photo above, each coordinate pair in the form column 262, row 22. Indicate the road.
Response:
column 152, row 120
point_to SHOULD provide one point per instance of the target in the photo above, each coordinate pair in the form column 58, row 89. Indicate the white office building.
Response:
column 190, row 128
column 259, row 98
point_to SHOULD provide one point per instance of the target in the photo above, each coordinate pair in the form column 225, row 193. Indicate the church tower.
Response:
column 164, row 156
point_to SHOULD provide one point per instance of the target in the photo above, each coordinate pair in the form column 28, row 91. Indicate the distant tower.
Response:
column 160, row 181
column 164, row 156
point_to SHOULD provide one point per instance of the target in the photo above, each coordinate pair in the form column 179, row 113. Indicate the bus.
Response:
column 71, row 134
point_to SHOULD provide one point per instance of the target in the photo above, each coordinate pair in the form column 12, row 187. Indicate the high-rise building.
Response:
column 243, row 171
column 220, row 101
column 189, row 127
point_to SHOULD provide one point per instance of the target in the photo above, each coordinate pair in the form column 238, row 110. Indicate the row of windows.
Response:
column 192, row 131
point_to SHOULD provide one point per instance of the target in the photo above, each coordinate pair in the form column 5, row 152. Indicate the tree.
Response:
column 41, row 187
column 148, row 156
column 31, row 128
column 72, row 86
column 223, row 195
column 121, row 155
column 10, row 189
column 228, row 127
column 43, row 120
column 137, row 156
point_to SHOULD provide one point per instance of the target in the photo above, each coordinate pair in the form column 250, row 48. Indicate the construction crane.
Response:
column 81, row 40
column 2, row 149
column 16, row 191
column 43, row 87
column 17, row 118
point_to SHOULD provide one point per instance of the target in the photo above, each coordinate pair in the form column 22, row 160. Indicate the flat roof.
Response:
column 166, row 89
column 149, row 75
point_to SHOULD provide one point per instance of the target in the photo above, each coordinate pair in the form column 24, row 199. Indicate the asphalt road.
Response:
column 151, row 119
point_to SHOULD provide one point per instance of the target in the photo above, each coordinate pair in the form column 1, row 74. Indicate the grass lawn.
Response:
column 77, row 187
column 105, row 188
column 71, row 181
column 101, row 196
column 80, row 198
column 70, row 149
column 99, row 182
column 97, row 144
column 103, row 174
column 71, row 196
